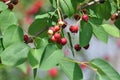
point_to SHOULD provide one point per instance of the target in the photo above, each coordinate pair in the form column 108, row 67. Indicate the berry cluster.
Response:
column 11, row 3
column 77, row 47
column 55, row 35
column 28, row 39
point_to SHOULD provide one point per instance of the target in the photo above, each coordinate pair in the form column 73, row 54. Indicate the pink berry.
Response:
column 26, row 38
column 63, row 41
column 53, row 39
column 73, row 29
column 53, row 72
column 85, row 17
column 57, row 36
column 57, row 28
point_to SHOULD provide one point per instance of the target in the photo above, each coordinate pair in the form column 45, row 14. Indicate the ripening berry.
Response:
column 114, row 16
column 53, row 72
column 77, row 47
column 76, row 17
column 53, row 39
column 63, row 41
column 57, row 36
column 52, row 28
column 74, row 29
column 87, row 46
column 85, row 17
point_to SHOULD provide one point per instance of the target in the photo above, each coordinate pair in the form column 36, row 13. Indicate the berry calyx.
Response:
column 87, row 46
column 57, row 36
column 53, row 72
column 85, row 17
column 26, row 38
column 74, row 29
column 76, row 17
column 15, row 1
column 63, row 41
column 77, row 47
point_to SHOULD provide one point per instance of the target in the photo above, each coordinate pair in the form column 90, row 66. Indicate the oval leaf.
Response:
column 12, row 35
column 85, row 33
column 72, row 70
column 15, row 54
column 3, row 6
column 105, row 71
column 112, row 30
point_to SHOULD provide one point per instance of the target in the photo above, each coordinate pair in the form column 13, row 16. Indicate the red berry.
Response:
column 77, row 47
column 73, row 29
column 114, row 16
column 58, row 41
column 63, row 41
column 10, row 6
column 57, row 36
column 57, row 28
column 15, row 2
column 53, row 39
column 26, row 38
column 76, row 16
column 85, row 17
column 53, row 72
column 87, row 46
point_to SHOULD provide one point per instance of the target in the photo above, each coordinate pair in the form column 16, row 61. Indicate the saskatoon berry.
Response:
column 85, row 17
column 76, row 17
column 63, row 41
column 73, row 29
column 114, row 16
column 57, row 36
column 15, row 2
column 10, row 6
column 77, row 47
column 57, row 28
column 87, row 46
column 26, row 38
column 50, row 32
column 53, row 72
column 84, row 11
column 53, row 39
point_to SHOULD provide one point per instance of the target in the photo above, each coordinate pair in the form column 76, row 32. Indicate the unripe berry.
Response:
column 77, row 47
column 73, row 29
column 87, row 46
column 76, row 17
column 57, row 36
column 63, row 41
column 53, row 72
column 52, row 28
column 50, row 32
column 60, row 23
column 57, row 28
column 85, row 17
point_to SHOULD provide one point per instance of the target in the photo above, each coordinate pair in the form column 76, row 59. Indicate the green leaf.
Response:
column 103, row 10
column 68, row 6
column 85, row 34
column 104, row 70
column 1, row 46
column 12, row 35
column 52, row 56
column 100, row 33
column 112, row 30
column 53, row 2
column 117, row 23
column 3, row 6
column 80, row 0
column 95, row 20
column 72, row 70
column 7, row 18
column 34, row 57
column 37, row 26
column 15, row 54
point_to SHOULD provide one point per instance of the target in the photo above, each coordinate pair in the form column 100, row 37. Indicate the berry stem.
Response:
column 58, row 10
